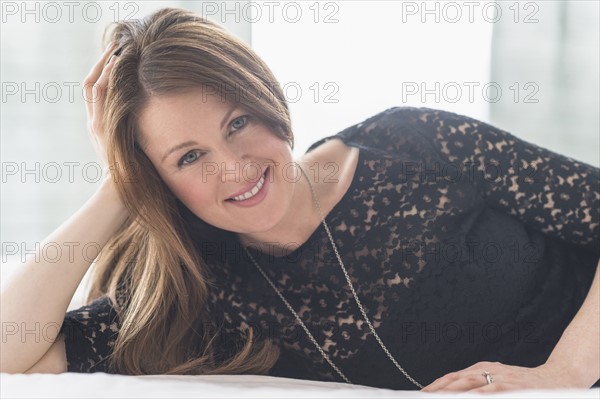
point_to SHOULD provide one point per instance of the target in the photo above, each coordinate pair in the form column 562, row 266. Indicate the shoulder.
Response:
column 331, row 149
column 404, row 127
column 378, row 133
column 409, row 116
column 388, row 131
column 334, row 161
column 332, row 153
column 377, row 130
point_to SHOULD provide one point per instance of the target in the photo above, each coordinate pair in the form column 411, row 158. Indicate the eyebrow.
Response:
column 190, row 143
column 233, row 108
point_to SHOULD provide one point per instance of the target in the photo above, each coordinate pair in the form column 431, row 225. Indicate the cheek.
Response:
column 193, row 196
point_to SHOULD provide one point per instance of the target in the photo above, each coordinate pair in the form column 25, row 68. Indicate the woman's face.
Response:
column 207, row 150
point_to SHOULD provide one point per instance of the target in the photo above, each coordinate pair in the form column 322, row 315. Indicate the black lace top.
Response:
column 463, row 243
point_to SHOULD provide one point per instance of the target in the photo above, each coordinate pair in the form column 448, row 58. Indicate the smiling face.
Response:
column 207, row 150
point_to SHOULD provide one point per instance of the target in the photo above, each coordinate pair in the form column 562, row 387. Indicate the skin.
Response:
column 287, row 215
column 222, row 160
column 574, row 362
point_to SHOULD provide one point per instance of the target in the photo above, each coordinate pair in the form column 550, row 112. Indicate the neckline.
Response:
column 319, row 230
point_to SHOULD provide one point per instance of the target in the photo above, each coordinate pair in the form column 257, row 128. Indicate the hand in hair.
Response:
column 95, row 85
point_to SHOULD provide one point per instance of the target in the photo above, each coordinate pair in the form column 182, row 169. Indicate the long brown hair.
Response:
column 152, row 269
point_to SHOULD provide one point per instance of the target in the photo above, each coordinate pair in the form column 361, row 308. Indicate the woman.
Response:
column 395, row 254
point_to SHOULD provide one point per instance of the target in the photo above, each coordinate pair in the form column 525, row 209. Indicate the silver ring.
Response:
column 488, row 377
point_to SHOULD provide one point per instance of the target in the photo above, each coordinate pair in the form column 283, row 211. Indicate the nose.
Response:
column 231, row 167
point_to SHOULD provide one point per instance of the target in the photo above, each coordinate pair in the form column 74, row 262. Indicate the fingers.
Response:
column 95, row 86
column 93, row 77
column 473, row 378
column 99, row 89
column 465, row 382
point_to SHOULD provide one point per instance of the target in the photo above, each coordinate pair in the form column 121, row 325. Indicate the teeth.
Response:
column 252, row 192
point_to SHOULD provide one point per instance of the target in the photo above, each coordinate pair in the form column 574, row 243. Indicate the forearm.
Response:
column 578, row 350
column 37, row 295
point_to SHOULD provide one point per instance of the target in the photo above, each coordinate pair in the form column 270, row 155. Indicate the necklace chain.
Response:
column 316, row 201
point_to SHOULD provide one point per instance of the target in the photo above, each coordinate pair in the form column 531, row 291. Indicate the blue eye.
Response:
column 235, row 125
column 189, row 158
column 192, row 156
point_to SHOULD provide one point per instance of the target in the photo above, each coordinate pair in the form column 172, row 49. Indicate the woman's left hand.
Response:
column 505, row 378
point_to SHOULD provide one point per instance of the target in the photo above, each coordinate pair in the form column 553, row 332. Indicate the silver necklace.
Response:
column 316, row 201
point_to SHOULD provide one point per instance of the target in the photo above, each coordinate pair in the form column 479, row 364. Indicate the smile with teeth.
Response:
column 251, row 193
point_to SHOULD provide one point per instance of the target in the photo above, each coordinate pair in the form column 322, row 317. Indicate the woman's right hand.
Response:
column 95, row 86
column 43, row 288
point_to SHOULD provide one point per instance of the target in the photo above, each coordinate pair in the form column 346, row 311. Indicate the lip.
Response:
column 248, row 186
column 259, row 196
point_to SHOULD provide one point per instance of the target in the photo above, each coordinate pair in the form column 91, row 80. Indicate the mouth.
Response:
column 253, row 195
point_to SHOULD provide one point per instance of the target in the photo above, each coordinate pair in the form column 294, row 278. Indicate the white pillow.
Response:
column 102, row 385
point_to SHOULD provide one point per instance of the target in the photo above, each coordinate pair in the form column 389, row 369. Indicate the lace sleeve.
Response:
column 549, row 192
column 90, row 333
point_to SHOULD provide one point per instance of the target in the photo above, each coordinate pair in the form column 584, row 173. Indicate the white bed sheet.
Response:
column 102, row 385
